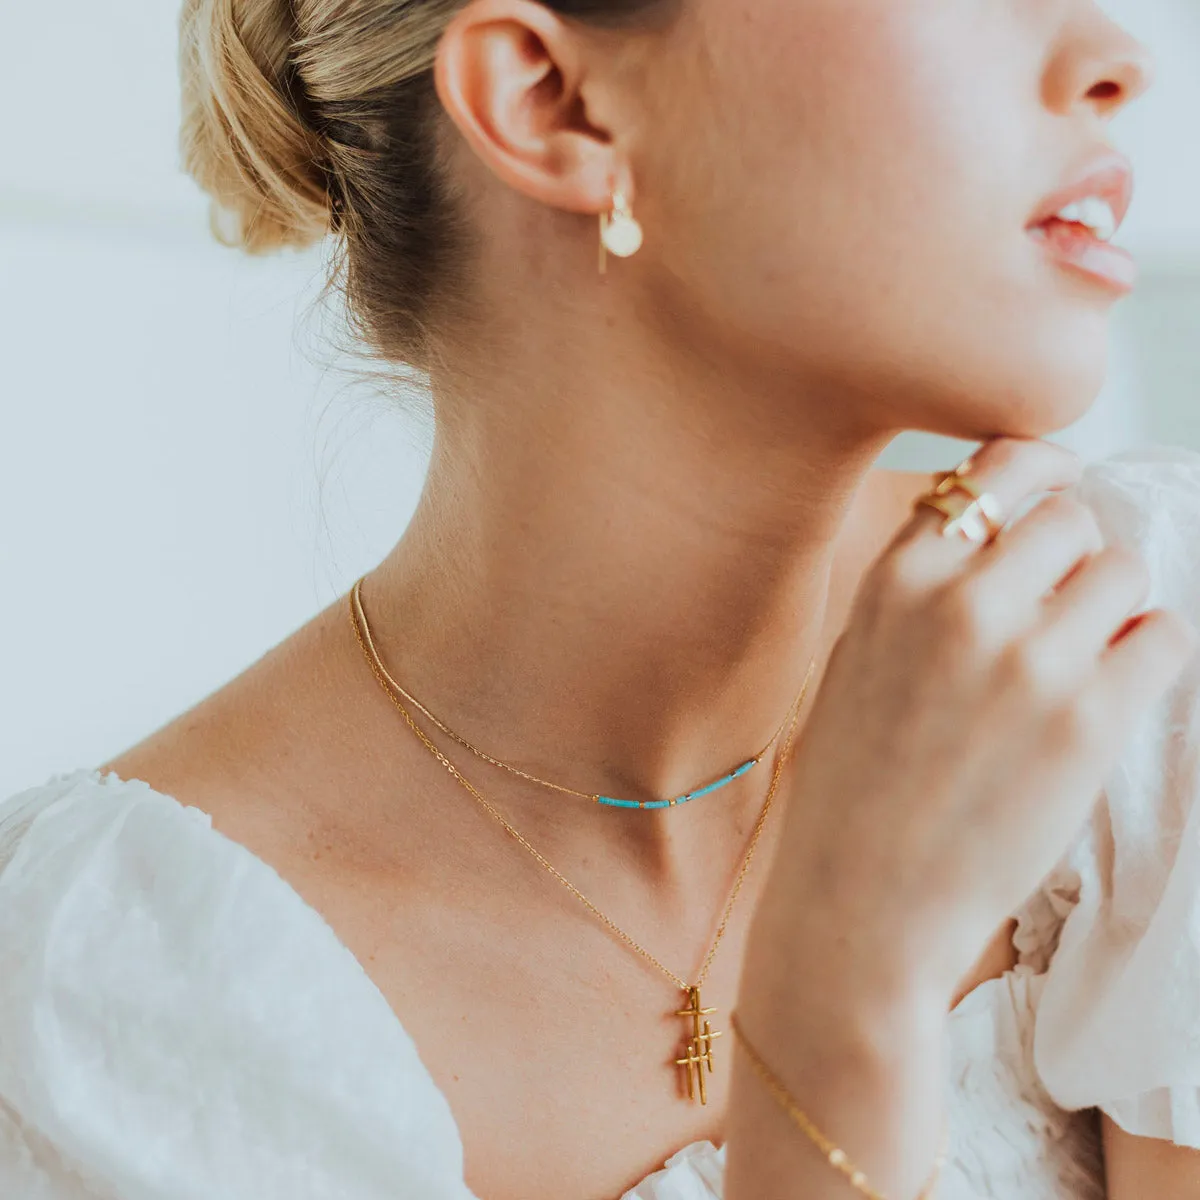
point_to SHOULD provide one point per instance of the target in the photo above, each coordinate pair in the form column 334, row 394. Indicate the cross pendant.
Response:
column 698, row 1052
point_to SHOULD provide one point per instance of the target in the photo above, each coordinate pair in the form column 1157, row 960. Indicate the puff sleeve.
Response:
column 177, row 1024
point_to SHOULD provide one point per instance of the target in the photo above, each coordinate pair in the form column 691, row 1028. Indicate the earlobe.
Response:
column 510, row 74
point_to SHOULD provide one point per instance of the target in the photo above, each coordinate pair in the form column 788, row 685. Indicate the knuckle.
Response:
column 1031, row 667
column 965, row 608
column 1077, row 725
column 1132, row 568
column 1167, row 634
column 1180, row 631
column 895, row 576
column 1075, row 517
column 1006, row 452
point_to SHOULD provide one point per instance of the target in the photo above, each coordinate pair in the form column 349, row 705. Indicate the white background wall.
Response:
column 185, row 474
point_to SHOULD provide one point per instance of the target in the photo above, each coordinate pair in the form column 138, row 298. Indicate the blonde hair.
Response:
column 303, row 118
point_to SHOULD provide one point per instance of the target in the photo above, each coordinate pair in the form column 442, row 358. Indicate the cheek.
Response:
column 873, row 114
column 868, row 170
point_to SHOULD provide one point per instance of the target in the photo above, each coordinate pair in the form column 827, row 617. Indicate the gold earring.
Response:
column 620, row 233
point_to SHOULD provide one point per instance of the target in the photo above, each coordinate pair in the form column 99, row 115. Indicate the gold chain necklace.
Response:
column 608, row 801
column 698, row 1053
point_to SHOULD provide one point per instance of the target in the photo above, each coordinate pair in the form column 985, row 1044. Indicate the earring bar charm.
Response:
column 620, row 233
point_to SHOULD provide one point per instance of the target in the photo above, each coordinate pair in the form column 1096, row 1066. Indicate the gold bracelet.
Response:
column 835, row 1156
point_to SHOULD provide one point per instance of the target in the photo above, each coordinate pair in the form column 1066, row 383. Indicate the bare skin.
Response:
column 407, row 876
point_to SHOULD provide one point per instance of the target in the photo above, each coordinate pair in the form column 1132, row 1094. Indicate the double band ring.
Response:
column 975, row 514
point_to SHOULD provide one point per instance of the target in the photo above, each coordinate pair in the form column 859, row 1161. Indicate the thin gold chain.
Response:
column 496, row 762
column 358, row 618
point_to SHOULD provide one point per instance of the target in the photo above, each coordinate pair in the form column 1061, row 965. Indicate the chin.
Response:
column 1039, row 380
column 1040, row 399
column 1043, row 406
column 1056, row 393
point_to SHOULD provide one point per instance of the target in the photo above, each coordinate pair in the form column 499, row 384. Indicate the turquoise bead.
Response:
column 612, row 802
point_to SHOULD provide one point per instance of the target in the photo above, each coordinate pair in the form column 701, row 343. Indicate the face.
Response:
column 856, row 211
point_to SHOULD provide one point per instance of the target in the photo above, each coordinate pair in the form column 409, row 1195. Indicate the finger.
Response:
column 1146, row 658
column 1092, row 608
column 1013, row 470
column 1042, row 550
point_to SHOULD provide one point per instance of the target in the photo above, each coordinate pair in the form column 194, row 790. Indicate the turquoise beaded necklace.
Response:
column 613, row 802
column 595, row 797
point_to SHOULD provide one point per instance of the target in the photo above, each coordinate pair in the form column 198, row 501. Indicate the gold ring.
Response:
column 979, row 519
column 989, row 505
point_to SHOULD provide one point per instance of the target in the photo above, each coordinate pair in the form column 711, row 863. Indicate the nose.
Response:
column 1100, row 65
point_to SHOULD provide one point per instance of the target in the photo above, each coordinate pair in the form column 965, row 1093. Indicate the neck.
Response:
column 616, row 594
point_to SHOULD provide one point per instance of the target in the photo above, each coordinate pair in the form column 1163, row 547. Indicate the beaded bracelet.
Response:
column 835, row 1156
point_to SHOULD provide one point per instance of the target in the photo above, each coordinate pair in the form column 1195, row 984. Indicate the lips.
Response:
column 1076, row 246
column 1110, row 178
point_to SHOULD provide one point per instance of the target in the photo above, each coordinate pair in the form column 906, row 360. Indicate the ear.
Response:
column 519, row 82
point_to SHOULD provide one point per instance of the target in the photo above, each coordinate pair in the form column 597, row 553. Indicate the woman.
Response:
column 678, row 271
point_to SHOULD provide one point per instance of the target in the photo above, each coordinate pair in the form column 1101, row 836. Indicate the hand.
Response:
column 967, row 718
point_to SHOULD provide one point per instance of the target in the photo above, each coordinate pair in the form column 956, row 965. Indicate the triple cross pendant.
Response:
column 698, row 1053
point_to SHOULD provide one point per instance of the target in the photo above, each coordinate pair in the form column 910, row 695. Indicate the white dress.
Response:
column 176, row 1023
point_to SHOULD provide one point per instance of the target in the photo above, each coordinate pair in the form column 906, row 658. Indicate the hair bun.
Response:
column 242, row 138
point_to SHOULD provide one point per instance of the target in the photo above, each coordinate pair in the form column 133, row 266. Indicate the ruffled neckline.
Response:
column 693, row 1172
